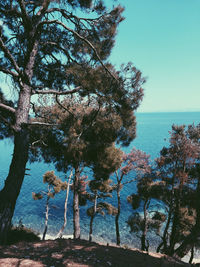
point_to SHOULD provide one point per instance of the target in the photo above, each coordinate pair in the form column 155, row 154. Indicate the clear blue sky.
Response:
column 162, row 38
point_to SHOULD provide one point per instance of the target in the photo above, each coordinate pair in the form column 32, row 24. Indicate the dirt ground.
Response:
column 67, row 252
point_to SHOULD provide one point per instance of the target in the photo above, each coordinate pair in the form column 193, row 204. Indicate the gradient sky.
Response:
column 162, row 39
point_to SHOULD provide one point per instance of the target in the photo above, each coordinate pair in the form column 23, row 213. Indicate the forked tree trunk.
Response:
column 13, row 183
column 192, row 238
column 76, row 216
column 65, row 208
column 164, row 237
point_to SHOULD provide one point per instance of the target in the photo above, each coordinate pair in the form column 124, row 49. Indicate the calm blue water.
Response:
column 152, row 134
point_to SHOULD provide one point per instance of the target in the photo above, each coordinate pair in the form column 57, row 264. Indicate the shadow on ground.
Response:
column 67, row 252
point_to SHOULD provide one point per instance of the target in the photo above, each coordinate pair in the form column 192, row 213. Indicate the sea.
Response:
column 152, row 134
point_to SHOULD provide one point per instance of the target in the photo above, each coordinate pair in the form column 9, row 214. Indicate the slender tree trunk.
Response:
column 92, row 217
column 192, row 238
column 164, row 242
column 117, row 216
column 192, row 255
column 164, row 237
column 91, row 228
column 76, row 216
column 13, row 183
column 145, row 227
column 65, row 208
column 175, row 228
column 46, row 215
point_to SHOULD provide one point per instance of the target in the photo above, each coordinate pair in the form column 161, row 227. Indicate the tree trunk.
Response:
column 192, row 255
column 13, row 183
column 92, row 217
column 145, row 227
column 175, row 228
column 65, row 208
column 164, row 242
column 193, row 237
column 76, row 216
column 46, row 215
column 117, row 216
column 91, row 228
column 164, row 237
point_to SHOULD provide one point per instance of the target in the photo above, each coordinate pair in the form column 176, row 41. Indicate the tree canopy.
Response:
column 58, row 48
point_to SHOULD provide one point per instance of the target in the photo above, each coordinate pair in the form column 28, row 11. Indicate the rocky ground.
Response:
column 68, row 252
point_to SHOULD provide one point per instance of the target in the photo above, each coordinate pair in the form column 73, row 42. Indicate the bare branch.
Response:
column 130, row 181
column 66, row 52
column 9, row 55
column 14, row 74
column 39, row 141
column 57, row 100
column 37, row 123
column 43, row 8
column 23, row 9
column 54, row 92
column 6, row 107
column 5, row 121
column 84, row 40
column 67, row 14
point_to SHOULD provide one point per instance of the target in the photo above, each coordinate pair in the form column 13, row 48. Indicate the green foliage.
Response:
column 134, row 200
column 55, row 185
column 46, row 49
column 102, row 208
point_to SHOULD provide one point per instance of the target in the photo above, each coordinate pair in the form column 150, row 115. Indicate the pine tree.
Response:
column 145, row 218
column 54, row 186
column 133, row 165
column 177, row 187
column 99, row 189
column 46, row 49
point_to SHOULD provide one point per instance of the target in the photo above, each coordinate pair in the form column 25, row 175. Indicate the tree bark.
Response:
column 145, row 227
column 92, row 217
column 13, row 183
column 46, row 215
column 76, row 215
column 194, row 235
column 65, row 208
column 91, row 228
column 117, row 216
column 192, row 255
column 175, row 227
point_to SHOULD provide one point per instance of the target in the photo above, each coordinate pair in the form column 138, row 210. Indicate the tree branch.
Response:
column 37, row 123
column 63, row 106
column 84, row 40
column 39, row 141
column 8, row 108
column 44, row 7
column 5, row 121
column 23, row 10
column 54, row 92
column 9, row 55
column 14, row 74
